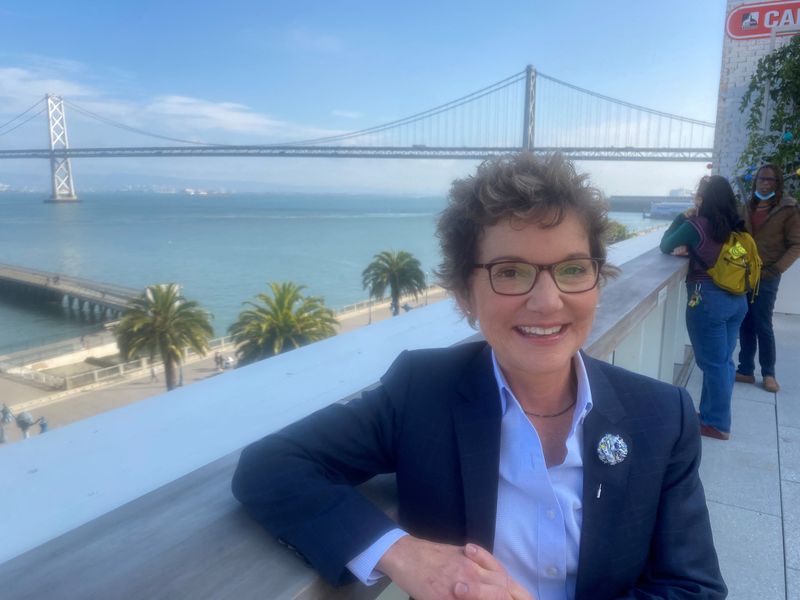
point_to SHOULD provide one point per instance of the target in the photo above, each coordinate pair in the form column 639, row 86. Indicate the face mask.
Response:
column 764, row 197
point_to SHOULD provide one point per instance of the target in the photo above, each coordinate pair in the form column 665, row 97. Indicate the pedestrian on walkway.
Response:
column 713, row 315
column 773, row 219
column 153, row 376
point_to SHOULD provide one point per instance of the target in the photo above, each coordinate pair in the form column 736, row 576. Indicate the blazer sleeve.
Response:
column 683, row 562
column 298, row 483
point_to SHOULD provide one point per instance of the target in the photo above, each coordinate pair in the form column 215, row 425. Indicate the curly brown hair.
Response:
column 520, row 187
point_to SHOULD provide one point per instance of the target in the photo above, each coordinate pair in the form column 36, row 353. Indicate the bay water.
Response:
column 222, row 249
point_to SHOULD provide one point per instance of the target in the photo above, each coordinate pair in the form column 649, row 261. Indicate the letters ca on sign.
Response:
column 758, row 20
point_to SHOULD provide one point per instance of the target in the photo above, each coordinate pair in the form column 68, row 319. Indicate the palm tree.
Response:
column 282, row 321
column 162, row 322
column 398, row 271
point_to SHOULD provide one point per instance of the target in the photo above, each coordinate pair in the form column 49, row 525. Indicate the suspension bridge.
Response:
column 527, row 111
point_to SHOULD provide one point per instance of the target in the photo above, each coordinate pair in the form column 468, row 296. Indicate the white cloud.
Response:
column 198, row 114
column 19, row 87
column 310, row 41
column 186, row 114
column 171, row 115
column 347, row 114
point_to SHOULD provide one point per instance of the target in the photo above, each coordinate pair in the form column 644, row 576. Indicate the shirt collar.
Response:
column 583, row 404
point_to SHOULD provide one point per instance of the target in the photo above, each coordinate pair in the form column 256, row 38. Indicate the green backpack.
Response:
column 738, row 266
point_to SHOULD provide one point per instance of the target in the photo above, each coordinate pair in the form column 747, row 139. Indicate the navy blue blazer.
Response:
column 435, row 422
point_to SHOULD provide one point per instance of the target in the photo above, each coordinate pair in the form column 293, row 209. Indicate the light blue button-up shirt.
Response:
column 539, row 510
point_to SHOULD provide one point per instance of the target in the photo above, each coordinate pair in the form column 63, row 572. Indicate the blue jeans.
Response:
column 713, row 327
column 756, row 331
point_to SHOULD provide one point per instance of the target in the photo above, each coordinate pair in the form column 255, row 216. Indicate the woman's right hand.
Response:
column 680, row 251
column 431, row 571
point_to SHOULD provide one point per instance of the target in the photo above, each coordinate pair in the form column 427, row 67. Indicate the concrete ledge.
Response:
column 96, row 465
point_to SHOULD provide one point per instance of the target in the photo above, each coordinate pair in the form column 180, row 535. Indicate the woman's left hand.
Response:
column 680, row 251
column 507, row 590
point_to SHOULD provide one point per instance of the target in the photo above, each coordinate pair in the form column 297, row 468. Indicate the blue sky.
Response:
column 260, row 72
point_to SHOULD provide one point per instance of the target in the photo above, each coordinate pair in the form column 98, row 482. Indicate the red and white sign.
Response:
column 758, row 20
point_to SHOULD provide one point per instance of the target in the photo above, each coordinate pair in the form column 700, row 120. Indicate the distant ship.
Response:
column 667, row 210
column 194, row 192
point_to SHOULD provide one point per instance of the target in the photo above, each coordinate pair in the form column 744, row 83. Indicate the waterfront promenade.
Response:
column 62, row 408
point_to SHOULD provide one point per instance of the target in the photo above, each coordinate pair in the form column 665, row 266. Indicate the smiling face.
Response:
column 536, row 334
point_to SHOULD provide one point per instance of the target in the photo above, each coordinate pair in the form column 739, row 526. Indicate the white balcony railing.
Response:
column 136, row 502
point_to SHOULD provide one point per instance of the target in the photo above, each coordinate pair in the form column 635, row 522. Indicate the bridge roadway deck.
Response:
column 416, row 151
column 106, row 295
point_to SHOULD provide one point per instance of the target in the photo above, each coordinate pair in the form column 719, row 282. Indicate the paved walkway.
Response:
column 74, row 407
column 752, row 481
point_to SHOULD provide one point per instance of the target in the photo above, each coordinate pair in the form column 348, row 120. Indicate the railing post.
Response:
column 529, row 108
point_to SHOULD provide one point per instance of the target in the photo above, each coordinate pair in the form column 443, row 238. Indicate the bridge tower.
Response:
column 529, row 108
column 61, row 171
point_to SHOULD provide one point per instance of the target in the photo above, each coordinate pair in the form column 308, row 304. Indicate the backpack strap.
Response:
column 693, row 255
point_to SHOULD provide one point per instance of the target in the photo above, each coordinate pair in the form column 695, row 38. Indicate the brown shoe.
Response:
column 742, row 378
column 713, row 432
column 770, row 384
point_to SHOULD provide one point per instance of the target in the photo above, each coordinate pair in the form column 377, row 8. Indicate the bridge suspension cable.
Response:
column 528, row 110
column 129, row 128
column 503, row 84
column 568, row 116
column 22, row 114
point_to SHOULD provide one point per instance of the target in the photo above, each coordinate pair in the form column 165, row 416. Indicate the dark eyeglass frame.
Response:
column 598, row 264
column 772, row 179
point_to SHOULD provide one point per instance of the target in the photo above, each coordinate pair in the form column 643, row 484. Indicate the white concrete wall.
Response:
column 789, row 292
column 52, row 483
column 739, row 60
column 75, row 357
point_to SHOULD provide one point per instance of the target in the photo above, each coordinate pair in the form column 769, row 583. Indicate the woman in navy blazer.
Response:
column 525, row 469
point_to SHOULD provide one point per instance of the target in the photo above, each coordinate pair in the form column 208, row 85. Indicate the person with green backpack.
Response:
column 714, row 313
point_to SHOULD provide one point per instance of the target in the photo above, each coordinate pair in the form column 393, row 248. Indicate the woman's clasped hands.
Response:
column 431, row 571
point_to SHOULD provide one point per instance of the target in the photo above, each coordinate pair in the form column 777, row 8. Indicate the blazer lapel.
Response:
column 477, row 417
column 605, row 487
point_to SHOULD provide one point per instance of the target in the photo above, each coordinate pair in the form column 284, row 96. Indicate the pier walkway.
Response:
column 77, row 292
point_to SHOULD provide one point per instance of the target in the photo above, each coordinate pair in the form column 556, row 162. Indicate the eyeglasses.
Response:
column 767, row 179
column 517, row 278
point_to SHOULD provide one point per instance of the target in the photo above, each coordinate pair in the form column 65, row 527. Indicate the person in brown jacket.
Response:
column 773, row 219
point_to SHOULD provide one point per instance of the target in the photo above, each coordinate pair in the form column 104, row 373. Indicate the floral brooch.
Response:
column 612, row 449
